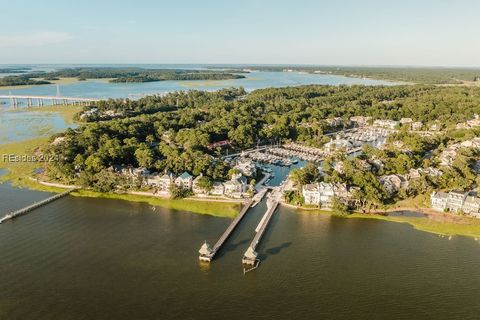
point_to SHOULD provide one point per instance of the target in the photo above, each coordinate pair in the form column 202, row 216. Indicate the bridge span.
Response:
column 41, row 100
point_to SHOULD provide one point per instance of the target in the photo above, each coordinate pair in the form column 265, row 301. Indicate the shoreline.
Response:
column 442, row 224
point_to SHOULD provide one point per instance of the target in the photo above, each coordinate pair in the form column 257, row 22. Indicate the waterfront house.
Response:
column 218, row 189
column 185, row 180
column 471, row 206
column 455, row 201
column 236, row 186
column 160, row 182
column 318, row 193
column 438, row 200
column 195, row 188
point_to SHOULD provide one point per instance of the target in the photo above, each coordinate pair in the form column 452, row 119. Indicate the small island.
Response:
column 116, row 75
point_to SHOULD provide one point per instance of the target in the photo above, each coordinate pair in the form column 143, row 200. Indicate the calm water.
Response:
column 107, row 259
column 18, row 126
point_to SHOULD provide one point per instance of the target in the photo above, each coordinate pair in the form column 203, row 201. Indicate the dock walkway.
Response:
column 250, row 256
column 207, row 253
column 34, row 206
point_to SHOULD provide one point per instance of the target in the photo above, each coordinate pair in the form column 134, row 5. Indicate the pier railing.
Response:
column 34, row 206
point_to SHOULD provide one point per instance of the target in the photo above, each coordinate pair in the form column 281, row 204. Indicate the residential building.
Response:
column 218, row 189
column 161, row 182
column 455, row 201
column 185, row 180
column 389, row 124
column 471, row 206
column 236, row 186
column 318, row 193
column 438, row 200
column 393, row 182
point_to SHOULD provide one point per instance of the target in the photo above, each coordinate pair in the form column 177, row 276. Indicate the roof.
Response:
column 440, row 195
column 185, row 176
column 310, row 187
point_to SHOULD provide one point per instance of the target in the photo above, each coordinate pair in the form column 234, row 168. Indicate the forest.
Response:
column 118, row 75
column 174, row 132
column 416, row 75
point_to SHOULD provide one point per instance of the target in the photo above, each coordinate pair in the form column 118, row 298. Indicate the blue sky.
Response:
column 362, row 32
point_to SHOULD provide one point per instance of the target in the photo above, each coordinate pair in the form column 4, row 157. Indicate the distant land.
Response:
column 115, row 75
column 416, row 75
column 405, row 74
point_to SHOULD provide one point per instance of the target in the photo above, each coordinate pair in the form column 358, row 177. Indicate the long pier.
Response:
column 34, row 206
column 41, row 100
column 250, row 256
column 206, row 252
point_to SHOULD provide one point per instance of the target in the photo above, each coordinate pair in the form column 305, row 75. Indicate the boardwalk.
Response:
column 40, row 100
column 34, row 206
column 207, row 253
column 250, row 256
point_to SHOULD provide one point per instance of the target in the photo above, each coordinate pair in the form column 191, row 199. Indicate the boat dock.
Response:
column 34, row 206
column 250, row 256
column 207, row 252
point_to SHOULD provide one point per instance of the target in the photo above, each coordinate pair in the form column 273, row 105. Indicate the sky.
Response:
column 342, row 32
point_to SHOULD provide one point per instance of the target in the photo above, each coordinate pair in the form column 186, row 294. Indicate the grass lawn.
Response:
column 218, row 209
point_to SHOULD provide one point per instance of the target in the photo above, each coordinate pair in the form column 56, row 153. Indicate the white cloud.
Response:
column 36, row 39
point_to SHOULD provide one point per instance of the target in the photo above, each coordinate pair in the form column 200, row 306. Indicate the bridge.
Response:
column 40, row 100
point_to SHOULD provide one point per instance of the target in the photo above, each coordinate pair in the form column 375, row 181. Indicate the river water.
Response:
column 109, row 259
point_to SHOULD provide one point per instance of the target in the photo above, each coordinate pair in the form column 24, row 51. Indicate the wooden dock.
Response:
column 250, row 256
column 206, row 252
column 34, row 206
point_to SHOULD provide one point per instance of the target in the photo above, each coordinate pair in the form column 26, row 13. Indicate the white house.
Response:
column 161, row 182
column 453, row 201
column 185, row 180
column 236, row 186
column 438, row 200
column 318, row 193
column 471, row 206
column 218, row 189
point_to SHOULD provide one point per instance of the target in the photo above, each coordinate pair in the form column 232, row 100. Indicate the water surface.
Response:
column 106, row 259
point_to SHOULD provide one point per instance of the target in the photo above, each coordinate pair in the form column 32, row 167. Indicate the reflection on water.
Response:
column 81, row 258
